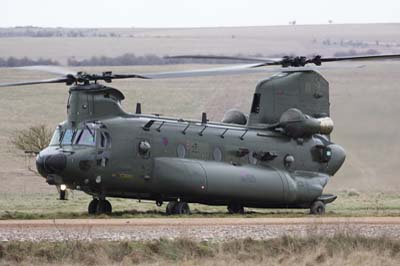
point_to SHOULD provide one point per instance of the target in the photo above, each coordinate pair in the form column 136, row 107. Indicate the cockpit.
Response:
column 86, row 136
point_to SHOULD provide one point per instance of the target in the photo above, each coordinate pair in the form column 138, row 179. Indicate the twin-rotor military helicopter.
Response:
column 280, row 155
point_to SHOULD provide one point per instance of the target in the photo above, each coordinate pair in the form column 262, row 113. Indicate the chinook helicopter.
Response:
column 280, row 155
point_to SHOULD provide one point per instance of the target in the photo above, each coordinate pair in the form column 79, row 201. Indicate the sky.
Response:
column 187, row 13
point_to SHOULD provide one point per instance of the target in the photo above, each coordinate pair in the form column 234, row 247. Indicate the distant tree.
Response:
column 33, row 139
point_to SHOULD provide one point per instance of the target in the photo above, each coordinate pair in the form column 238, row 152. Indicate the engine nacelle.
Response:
column 296, row 124
column 234, row 116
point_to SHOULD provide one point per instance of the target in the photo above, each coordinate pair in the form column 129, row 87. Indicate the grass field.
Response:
column 47, row 206
column 311, row 250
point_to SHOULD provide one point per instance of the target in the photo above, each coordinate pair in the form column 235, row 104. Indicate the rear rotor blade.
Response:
column 241, row 69
column 293, row 61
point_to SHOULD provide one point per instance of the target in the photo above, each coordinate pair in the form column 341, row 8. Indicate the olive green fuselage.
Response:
column 165, row 159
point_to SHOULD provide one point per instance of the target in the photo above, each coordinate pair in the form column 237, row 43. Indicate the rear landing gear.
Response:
column 99, row 206
column 177, row 208
column 235, row 208
column 317, row 208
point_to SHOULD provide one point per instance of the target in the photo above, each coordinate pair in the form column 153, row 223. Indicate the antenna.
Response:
column 138, row 108
column 204, row 118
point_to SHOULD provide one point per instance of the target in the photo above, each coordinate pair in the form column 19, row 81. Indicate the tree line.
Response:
column 151, row 59
column 37, row 32
column 25, row 61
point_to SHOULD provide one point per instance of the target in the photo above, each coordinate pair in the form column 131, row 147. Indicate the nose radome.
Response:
column 337, row 159
column 51, row 163
column 40, row 165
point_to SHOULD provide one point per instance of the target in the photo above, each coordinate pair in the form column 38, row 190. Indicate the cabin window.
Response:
column 181, row 151
column 255, row 107
column 217, row 154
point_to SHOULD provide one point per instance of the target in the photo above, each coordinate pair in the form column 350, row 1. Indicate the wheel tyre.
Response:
column 235, row 209
column 92, row 208
column 104, row 206
column 182, row 208
column 170, row 209
column 317, row 208
column 107, row 207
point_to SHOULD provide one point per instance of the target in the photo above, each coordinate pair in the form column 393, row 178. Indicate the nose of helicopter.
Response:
column 337, row 159
column 53, row 163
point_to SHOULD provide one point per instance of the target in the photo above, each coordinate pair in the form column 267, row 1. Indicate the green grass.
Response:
column 311, row 250
column 47, row 206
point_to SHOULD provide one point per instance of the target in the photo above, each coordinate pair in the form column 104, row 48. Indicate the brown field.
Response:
column 365, row 102
column 269, row 40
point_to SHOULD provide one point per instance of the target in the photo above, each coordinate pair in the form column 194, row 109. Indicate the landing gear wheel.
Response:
column 104, row 206
column 235, row 209
column 317, row 208
column 180, row 208
column 170, row 209
column 92, row 208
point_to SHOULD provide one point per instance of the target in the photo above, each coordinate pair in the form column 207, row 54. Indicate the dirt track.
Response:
column 195, row 228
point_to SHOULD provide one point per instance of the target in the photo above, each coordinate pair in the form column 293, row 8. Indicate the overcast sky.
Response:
column 186, row 13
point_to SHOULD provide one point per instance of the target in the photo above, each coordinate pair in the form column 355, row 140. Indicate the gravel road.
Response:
column 215, row 229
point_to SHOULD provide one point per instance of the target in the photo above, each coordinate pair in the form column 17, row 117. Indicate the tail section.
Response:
column 307, row 91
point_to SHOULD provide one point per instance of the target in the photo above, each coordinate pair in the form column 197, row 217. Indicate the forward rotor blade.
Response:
column 128, row 76
column 216, row 57
column 56, row 80
column 49, row 69
column 360, row 58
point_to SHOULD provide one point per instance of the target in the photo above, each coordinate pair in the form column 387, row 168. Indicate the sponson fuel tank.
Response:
column 249, row 184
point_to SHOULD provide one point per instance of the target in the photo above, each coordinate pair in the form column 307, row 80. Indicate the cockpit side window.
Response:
column 56, row 139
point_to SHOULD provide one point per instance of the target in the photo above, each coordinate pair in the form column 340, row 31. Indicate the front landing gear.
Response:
column 99, row 206
column 177, row 208
column 317, row 208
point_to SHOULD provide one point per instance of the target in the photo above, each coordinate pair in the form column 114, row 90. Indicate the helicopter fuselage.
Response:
column 107, row 152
